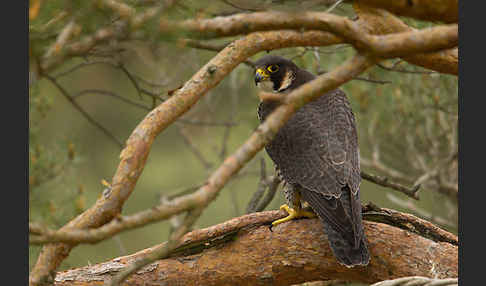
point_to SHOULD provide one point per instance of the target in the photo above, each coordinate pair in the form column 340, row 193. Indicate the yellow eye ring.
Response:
column 272, row 68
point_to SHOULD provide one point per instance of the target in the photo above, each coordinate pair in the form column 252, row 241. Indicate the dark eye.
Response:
column 272, row 68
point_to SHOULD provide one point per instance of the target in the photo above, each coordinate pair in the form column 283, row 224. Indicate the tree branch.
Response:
column 380, row 22
column 418, row 281
column 416, row 41
column 383, row 181
column 445, row 11
column 243, row 251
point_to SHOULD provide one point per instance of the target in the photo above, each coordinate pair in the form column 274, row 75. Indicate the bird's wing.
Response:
column 318, row 147
column 318, row 150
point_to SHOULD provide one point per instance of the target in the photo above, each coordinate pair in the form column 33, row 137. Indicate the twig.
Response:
column 372, row 80
column 111, row 94
column 363, row 78
column 426, row 215
column 385, row 182
column 188, row 141
column 418, row 281
column 207, row 123
column 239, row 7
column 273, row 184
column 62, row 39
column 334, row 6
column 210, row 47
column 81, row 65
column 83, row 112
column 404, row 70
column 131, row 78
column 262, row 184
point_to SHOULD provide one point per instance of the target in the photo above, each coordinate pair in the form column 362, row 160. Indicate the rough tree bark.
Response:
column 244, row 251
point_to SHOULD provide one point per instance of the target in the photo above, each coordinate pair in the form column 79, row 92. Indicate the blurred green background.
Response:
column 411, row 116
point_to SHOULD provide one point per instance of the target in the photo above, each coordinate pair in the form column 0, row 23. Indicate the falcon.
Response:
column 316, row 154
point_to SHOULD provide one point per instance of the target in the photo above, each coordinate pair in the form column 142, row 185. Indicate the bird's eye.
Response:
column 272, row 68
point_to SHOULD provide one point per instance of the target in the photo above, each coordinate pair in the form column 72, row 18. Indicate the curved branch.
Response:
column 381, row 22
column 291, row 253
column 445, row 11
column 418, row 41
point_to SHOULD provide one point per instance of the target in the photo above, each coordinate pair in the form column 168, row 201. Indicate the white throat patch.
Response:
column 266, row 85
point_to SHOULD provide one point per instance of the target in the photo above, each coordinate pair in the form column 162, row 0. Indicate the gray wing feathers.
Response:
column 342, row 224
column 318, row 147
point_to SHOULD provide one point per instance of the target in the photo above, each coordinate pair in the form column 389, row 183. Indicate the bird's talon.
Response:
column 293, row 213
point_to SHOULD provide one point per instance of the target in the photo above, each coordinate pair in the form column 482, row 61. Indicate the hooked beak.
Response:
column 260, row 75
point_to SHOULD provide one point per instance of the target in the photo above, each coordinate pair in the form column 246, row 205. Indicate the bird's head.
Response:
column 274, row 73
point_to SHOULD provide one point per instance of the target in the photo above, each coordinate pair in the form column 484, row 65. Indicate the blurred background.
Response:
column 407, row 120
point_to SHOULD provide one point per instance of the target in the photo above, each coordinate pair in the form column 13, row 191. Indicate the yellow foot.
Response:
column 293, row 213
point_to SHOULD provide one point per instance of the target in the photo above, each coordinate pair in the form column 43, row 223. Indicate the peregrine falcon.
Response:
column 316, row 154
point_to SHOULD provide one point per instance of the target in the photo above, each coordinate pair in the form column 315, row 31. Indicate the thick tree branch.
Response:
column 427, row 40
column 244, row 251
column 445, row 11
column 381, row 22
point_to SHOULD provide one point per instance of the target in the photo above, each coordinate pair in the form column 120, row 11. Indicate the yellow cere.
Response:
column 262, row 73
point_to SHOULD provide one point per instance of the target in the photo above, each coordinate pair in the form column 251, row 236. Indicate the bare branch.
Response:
column 83, row 112
column 111, row 94
column 424, row 214
column 262, row 184
column 403, row 70
column 383, row 181
column 273, row 183
column 192, row 147
column 419, row 281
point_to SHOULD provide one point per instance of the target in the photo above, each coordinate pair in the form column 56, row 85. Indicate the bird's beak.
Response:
column 260, row 75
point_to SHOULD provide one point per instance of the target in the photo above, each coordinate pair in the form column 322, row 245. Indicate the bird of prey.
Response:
column 316, row 155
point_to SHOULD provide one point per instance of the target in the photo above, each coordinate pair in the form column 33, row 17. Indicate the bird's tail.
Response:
column 341, row 218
